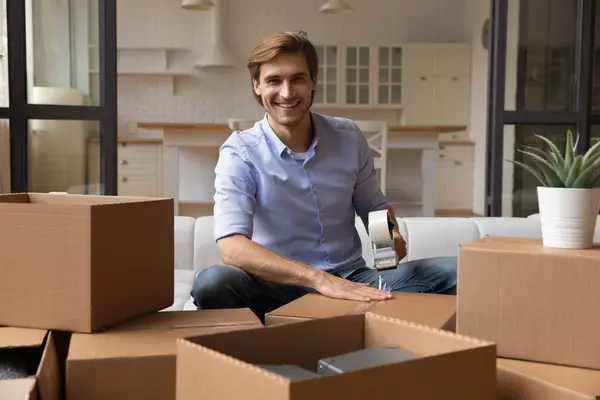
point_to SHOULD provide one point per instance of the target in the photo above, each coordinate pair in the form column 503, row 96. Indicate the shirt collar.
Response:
column 281, row 147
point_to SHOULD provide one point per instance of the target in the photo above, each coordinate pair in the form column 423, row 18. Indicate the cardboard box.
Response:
column 82, row 263
column 136, row 359
column 536, row 303
column 435, row 310
column 524, row 380
column 226, row 365
column 35, row 352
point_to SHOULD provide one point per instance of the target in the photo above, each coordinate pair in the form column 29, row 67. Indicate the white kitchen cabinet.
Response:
column 139, row 167
column 437, row 83
column 455, row 177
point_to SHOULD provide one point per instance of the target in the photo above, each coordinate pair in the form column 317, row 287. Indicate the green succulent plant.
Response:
column 569, row 170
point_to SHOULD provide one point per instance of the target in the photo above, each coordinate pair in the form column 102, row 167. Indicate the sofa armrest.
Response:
column 437, row 236
column 184, row 243
column 205, row 248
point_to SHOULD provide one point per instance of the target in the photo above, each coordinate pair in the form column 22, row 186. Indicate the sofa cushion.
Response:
column 184, row 242
column 205, row 250
column 509, row 226
column 184, row 280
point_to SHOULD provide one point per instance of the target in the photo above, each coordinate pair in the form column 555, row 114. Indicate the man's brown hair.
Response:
column 273, row 45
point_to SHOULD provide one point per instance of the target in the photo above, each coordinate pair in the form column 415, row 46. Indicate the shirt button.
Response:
column 315, row 190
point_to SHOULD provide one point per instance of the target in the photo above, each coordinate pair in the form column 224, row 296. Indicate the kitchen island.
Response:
column 190, row 153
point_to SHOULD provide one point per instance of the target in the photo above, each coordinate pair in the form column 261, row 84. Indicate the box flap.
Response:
column 22, row 389
column 434, row 310
column 21, row 337
column 314, row 305
column 173, row 320
column 428, row 309
column 526, row 245
column 584, row 381
column 49, row 374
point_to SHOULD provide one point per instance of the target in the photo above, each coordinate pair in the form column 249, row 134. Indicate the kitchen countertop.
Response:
column 225, row 127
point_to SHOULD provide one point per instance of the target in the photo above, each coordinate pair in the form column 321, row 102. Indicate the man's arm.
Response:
column 235, row 201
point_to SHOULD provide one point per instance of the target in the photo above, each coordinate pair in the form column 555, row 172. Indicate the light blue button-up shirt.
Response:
column 299, row 206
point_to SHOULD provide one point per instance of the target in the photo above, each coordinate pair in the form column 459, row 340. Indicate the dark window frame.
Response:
column 498, row 117
column 19, row 112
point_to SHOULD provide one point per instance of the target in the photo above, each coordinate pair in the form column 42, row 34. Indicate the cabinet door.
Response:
column 419, row 58
column 453, row 59
column 455, row 185
column 143, row 186
column 451, row 102
column 418, row 100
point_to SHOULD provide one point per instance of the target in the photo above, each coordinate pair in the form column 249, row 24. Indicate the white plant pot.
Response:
column 568, row 216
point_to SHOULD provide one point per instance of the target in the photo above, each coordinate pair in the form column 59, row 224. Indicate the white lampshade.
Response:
column 336, row 7
column 202, row 5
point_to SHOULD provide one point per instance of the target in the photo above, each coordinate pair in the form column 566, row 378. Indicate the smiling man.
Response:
column 287, row 192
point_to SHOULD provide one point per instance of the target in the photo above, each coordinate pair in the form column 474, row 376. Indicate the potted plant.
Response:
column 568, row 198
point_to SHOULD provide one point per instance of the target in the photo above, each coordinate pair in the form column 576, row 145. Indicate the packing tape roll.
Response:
column 381, row 227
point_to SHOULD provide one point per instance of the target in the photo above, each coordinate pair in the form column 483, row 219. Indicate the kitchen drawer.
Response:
column 456, row 152
column 463, row 135
column 134, row 158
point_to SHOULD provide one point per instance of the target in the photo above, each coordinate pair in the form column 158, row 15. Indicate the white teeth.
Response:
column 287, row 105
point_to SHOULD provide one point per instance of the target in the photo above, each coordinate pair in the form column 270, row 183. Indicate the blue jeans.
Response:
column 224, row 286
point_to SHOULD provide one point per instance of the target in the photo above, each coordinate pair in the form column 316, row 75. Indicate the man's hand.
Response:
column 399, row 245
column 333, row 286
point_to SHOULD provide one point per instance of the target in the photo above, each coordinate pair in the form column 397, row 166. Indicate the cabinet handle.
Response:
column 442, row 147
column 423, row 78
column 124, row 179
column 454, row 78
column 442, row 156
column 123, row 162
column 457, row 163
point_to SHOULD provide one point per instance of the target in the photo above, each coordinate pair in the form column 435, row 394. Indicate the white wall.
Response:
column 216, row 96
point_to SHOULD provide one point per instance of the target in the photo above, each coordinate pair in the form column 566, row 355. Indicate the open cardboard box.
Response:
column 524, row 380
column 82, row 263
column 136, row 359
column 35, row 354
column 226, row 365
column 530, row 299
column 435, row 310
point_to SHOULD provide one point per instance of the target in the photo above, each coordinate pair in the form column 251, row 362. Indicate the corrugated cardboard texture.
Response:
column 537, row 303
column 46, row 382
column 223, row 366
column 522, row 380
column 136, row 359
column 83, row 263
column 433, row 310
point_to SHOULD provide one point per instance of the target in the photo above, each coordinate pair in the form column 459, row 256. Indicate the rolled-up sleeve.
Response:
column 367, row 195
column 235, row 194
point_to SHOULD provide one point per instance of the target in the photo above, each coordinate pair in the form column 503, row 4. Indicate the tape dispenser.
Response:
column 381, row 233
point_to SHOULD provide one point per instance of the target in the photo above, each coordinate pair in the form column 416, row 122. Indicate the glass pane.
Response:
column 4, row 156
column 63, row 50
column 384, row 56
column 519, row 187
column 318, row 94
column 64, row 156
column 363, row 94
column 320, row 54
column 331, row 55
column 396, row 75
column 331, row 75
column 384, row 94
column 4, row 84
column 351, row 56
column 330, row 93
column 384, row 75
column 397, row 94
column 397, row 56
column 364, row 56
column 351, row 94
column 363, row 75
column 540, row 57
column 321, row 73
column 351, row 75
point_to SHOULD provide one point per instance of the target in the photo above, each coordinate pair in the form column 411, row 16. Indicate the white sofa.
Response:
column 195, row 247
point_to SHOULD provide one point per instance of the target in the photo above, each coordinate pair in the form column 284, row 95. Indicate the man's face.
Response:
column 285, row 87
